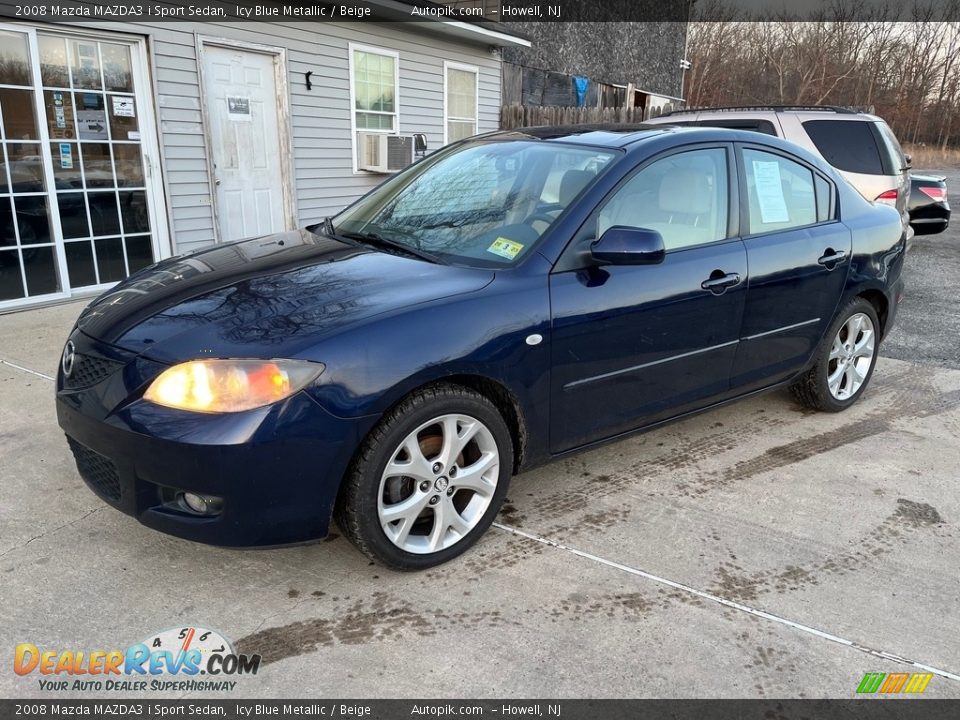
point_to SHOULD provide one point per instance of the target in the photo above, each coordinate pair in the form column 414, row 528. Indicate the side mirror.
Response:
column 909, row 158
column 629, row 246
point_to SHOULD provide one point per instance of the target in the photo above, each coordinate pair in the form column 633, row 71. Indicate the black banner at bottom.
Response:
column 879, row 709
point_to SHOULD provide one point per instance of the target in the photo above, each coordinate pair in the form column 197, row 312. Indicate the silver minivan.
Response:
column 861, row 146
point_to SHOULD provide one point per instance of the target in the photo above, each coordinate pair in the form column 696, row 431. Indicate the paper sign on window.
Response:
column 123, row 106
column 773, row 206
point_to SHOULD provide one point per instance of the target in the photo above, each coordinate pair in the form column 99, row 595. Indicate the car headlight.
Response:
column 222, row 386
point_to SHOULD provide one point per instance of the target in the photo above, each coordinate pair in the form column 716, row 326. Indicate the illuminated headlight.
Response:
column 222, row 386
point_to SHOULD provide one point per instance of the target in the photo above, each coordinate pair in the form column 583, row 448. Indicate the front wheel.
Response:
column 428, row 480
column 845, row 360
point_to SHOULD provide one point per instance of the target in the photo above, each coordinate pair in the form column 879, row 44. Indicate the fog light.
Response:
column 202, row 504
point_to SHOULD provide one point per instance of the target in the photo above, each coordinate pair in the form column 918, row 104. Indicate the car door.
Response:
column 635, row 344
column 799, row 256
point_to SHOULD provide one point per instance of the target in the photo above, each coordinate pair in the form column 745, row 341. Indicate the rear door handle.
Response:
column 718, row 282
column 831, row 258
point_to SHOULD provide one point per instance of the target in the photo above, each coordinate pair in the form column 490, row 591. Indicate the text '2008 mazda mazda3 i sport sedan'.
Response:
column 505, row 301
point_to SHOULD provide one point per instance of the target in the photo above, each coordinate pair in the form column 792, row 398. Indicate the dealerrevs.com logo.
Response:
column 176, row 660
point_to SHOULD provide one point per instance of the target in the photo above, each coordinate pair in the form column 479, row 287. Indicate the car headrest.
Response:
column 572, row 182
column 685, row 191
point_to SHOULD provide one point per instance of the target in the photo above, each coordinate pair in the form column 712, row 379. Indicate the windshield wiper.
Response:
column 372, row 238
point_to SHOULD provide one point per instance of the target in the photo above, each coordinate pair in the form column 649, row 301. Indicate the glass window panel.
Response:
column 53, row 61
column 32, row 219
column 86, row 64
column 123, row 117
column 139, row 252
column 683, row 197
column 4, row 186
column 73, row 215
column 461, row 94
column 110, row 259
column 129, row 165
column 370, row 121
column 60, row 115
column 458, row 130
column 11, row 283
column 80, row 263
column 103, row 213
column 133, row 212
column 66, row 165
column 19, row 121
column 14, row 59
column 780, row 193
column 117, row 74
column 91, row 116
column 40, row 268
column 26, row 167
column 97, row 165
column 8, row 237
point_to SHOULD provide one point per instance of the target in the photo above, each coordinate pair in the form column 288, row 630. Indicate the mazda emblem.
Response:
column 69, row 355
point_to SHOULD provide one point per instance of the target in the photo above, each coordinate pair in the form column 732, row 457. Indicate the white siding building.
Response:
column 124, row 143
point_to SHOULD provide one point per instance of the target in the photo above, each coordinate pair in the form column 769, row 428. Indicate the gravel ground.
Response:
column 928, row 328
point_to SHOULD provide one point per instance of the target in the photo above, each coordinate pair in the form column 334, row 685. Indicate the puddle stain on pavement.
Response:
column 734, row 583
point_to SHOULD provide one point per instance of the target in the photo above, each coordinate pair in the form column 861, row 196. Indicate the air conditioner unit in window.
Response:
column 381, row 153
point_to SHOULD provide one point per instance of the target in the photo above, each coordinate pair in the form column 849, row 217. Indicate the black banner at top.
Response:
column 490, row 13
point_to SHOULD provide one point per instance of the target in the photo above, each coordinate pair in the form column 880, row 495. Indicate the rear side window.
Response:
column 849, row 145
column 780, row 193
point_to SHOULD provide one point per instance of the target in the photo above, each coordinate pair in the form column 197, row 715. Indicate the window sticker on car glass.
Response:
column 773, row 206
column 505, row 248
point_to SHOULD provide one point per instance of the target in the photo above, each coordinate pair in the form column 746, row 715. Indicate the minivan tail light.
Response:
column 937, row 194
column 887, row 198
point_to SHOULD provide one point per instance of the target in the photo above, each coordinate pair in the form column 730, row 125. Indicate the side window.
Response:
column 780, row 193
column 847, row 145
column 682, row 196
column 824, row 196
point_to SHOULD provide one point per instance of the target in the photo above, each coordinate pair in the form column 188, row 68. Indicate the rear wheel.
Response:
column 429, row 479
column 845, row 360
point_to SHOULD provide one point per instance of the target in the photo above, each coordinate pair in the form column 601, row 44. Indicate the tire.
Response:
column 403, row 470
column 842, row 370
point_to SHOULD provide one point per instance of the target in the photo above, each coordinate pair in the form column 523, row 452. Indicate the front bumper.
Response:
column 277, row 469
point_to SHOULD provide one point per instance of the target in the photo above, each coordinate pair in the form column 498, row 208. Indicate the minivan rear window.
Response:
column 849, row 145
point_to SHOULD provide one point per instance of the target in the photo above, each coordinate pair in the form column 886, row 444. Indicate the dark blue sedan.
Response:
column 508, row 300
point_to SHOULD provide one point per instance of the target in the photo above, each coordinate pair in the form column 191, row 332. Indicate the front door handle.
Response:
column 831, row 258
column 718, row 282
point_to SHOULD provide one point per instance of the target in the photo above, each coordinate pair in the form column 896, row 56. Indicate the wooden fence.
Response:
column 514, row 116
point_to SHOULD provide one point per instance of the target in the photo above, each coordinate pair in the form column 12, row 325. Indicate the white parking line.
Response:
column 26, row 370
column 730, row 603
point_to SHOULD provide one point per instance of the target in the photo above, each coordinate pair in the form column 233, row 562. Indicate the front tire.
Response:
column 845, row 360
column 428, row 480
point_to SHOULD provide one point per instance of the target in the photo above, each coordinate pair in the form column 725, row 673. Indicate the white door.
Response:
column 241, row 100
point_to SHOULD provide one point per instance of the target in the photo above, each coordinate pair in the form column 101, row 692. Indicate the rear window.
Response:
column 849, row 145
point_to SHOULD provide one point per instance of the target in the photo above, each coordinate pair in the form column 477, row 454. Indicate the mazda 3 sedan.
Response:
column 508, row 300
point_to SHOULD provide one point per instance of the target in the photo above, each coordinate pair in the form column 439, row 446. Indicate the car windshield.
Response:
column 484, row 203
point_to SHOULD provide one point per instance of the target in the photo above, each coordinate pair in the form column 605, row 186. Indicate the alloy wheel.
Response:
column 438, row 484
column 851, row 356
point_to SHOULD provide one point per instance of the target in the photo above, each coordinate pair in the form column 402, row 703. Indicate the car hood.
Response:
column 273, row 296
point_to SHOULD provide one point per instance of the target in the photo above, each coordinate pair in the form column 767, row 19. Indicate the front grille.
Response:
column 89, row 370
column 97, row 471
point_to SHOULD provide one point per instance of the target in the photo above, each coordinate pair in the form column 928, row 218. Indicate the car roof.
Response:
column 605, row 135
column 761, row 111
column 624, row 135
